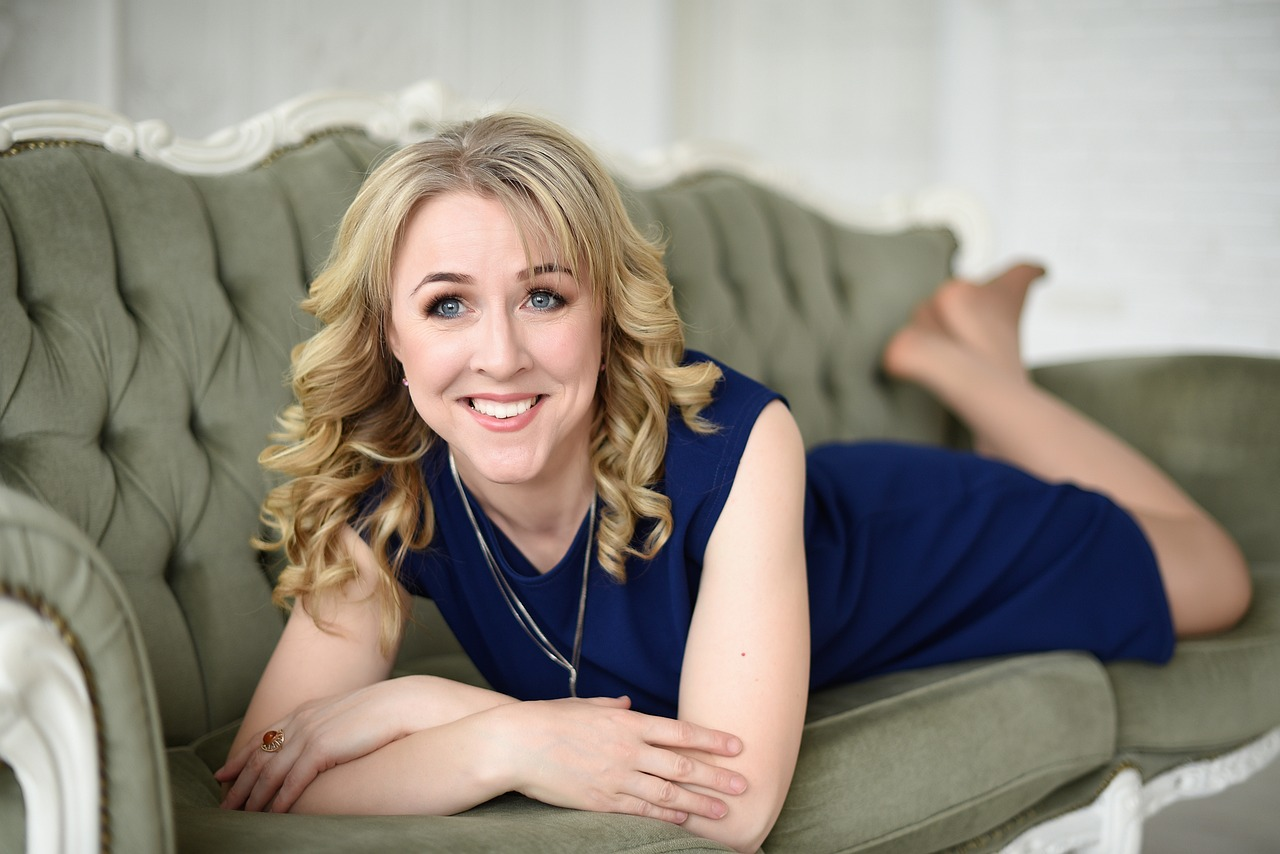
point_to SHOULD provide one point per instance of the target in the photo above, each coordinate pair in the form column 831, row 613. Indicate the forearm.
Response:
column 584, row 754
column 416, row 702
column 443, row 701
column 751, row 814
column 441, row 770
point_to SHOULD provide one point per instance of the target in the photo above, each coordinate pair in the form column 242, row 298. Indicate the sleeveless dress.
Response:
column 916, row 556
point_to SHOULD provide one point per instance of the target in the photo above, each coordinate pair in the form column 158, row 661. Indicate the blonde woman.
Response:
column 629, row 538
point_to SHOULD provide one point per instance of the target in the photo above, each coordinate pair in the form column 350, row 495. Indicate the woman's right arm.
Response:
column 328, row 691
column 356, row 742
column 587, row 754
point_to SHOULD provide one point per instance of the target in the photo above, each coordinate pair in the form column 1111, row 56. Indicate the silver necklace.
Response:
column 517, row 608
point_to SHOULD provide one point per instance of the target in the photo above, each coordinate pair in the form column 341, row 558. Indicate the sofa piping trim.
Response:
column 41, row 144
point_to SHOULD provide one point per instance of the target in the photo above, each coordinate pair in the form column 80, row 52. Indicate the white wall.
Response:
column 1133, row 145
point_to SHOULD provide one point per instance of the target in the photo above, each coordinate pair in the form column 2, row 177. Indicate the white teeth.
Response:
column 502, row 410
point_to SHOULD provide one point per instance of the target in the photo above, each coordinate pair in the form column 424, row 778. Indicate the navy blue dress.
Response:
column 916, row 556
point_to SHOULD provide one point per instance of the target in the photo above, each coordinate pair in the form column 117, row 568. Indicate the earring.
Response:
column 404, row 381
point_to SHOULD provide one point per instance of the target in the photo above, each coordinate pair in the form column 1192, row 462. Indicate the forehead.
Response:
column 461, row 232
column 461, row 215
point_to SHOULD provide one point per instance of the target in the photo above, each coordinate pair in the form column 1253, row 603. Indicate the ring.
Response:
column 273, row 740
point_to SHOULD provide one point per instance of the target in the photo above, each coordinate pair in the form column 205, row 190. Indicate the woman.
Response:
column 499, row 413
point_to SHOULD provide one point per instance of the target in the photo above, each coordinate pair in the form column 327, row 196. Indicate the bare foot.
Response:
column 964, row 322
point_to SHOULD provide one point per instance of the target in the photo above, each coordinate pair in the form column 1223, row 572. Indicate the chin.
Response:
column 505, row 468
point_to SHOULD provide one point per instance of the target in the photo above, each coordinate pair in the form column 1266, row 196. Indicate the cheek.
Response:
column 430, row 360
column 577, row 354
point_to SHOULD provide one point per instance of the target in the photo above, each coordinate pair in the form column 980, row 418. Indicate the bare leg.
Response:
column 962, row 345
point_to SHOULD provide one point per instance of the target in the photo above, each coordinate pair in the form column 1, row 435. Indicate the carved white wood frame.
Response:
column 47, row 732
column 412, row 113
column 1112, row 824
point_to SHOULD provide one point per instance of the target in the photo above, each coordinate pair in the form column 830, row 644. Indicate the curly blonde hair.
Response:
column 349, row 449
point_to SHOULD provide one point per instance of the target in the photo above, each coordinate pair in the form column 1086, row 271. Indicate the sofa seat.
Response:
column 1192, row 704
column 508, row 823
column 914, row 750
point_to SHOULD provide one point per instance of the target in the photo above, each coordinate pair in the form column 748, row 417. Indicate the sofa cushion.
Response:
column 509, row 823
column 1215, row 693
column 925, row 759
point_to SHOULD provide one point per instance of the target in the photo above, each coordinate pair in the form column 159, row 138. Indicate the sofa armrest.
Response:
column 1209, row 421
column 79, row 724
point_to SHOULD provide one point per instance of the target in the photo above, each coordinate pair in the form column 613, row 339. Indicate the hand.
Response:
column 598, row 755
column 318, row 735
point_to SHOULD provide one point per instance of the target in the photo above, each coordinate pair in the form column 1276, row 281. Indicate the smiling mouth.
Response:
column 494, row 409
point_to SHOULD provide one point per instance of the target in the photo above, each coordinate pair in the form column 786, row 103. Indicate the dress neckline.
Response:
column 511, row 560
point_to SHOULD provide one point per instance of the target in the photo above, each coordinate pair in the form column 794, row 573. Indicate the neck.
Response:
column 541, row 517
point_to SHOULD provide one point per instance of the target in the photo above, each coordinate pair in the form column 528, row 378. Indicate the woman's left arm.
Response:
column 746, row 666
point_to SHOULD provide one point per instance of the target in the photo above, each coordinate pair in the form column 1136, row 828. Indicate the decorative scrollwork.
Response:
column 48, row 732
column 1112, row 821
column 399, row 118
column 412, row 114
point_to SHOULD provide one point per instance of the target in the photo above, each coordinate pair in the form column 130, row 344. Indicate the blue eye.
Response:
column 543, row 300
column 446, row 307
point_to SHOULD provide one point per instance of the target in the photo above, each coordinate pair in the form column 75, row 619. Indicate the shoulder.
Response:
column 735, row 396
column 701, row 467
column 736, row 401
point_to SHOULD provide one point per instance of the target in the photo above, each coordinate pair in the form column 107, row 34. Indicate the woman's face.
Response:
column 501, row 350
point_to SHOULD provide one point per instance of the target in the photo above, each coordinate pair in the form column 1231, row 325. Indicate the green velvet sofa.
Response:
column 148, row 304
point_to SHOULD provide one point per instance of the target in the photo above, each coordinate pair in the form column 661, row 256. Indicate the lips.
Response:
column 503, row 409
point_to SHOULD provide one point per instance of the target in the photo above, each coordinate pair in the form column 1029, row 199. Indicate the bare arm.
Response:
column 319, row 682
column 746, row 666
column 355, row 743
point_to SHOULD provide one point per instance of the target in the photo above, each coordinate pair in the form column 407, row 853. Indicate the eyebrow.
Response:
column 464, row 279
column 452, row 278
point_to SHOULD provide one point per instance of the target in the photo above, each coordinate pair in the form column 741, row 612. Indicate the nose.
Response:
column 500, row 351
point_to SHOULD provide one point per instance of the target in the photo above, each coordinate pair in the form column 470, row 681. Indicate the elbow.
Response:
column 744, row 829
column 748, row 837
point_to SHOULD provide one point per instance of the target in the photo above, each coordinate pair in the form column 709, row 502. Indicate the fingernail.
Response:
column 719, row 810
column 735, row 745
column 738, row 785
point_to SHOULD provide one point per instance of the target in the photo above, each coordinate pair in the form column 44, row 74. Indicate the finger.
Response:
column 271, row 770
column 264, row 791
column 236, row 795
column 295, row 782
column 677, row 733
column 683, row 769
column 235, row 763
column 672, row 797
column 610, row 702
column 631, row 805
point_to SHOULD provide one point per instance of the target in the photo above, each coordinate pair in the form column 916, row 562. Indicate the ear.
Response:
column 393, row 339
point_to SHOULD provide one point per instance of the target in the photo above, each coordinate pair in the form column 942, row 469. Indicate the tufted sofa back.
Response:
column 798, row 301
column 146, row 320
